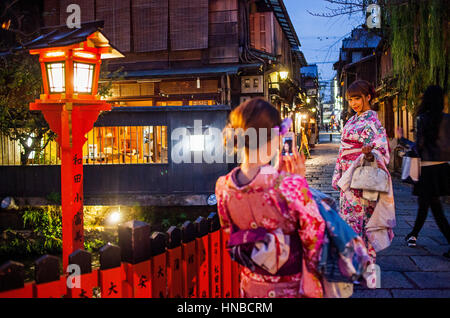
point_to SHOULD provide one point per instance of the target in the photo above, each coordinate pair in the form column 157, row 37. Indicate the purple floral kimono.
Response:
column 275, row 200
column 359, row 131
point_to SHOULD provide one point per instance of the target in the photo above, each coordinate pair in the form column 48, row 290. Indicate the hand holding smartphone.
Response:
column 288, row 144
column 290, row 160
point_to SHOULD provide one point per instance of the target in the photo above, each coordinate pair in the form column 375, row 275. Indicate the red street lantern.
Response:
column 70, row 63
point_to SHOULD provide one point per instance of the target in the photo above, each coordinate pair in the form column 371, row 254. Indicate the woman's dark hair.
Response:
column 362, row 88
column 255, row 113
column 432, row 105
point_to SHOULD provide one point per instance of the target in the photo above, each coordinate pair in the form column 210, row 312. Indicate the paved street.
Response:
column 420, row 272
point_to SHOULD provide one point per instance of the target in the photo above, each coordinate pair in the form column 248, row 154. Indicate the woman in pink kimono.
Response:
column 362, row 134
column 256, row 195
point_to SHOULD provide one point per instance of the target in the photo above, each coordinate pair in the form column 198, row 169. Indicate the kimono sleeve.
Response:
column 221, row 205
column 337, row 171
column 303, row 208
column 375, row 134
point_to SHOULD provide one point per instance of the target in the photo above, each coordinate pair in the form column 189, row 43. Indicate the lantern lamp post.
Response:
column 70, row 64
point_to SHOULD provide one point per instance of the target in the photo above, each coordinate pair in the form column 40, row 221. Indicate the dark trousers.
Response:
column 434, row 203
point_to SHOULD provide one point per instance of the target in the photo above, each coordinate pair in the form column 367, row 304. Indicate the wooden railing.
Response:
column 190, row 262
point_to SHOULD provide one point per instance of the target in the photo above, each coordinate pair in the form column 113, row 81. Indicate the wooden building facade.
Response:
column 184, row 61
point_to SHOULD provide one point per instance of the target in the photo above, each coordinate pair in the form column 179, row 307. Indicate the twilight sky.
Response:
column 320, row 38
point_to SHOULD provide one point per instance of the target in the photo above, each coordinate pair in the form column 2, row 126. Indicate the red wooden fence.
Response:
column 181, row 263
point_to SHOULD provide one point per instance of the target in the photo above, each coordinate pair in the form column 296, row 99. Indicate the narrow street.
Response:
column 419, row 272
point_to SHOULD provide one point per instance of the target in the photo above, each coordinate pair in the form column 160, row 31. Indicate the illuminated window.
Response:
column 55, row 73
column 83, row 76
column 126, row 145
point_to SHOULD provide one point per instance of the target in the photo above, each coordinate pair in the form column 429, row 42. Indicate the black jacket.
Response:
column 433, row 150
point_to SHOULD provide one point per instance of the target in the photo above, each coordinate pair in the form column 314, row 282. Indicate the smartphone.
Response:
column 287, row 145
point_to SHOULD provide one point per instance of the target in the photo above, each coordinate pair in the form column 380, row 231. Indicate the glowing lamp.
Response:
column 284, row 75
column 114, row 217
column 73, row 71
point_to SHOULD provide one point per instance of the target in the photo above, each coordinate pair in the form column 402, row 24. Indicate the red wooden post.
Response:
column 88, row 279
column 138, row 276
column 134, row 242
column 71, row 122
column 48, row 284
column 203, row 258
column 12, row 281
column 127, row 287
column 159, row 274
column 235, row 272
column 110, row 275
column 189, row 260
column 216, row 256
column 25, row 292
column 227, row 277
column 174, row 272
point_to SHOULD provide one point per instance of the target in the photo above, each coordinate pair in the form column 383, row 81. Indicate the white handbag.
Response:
column 410, row 169
column 370, row 178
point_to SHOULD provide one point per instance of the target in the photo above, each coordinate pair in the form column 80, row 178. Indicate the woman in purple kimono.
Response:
column 256, row 195
column 362, row 134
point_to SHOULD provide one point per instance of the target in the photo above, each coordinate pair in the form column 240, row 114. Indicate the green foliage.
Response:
column 54, row 197
column 93, row 246
column 20, row 84
column 44, row 237
column 417, row 35
column 46, row 224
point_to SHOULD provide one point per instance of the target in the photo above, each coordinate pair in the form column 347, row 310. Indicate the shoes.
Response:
column 411, row 240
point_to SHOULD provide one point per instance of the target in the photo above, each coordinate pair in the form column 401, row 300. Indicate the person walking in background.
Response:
column 257, row 196
column 432, row 143
column 364, row 138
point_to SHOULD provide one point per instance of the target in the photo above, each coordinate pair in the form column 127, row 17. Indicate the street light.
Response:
column 284, row 75
column 70, row 71
column 70, row 66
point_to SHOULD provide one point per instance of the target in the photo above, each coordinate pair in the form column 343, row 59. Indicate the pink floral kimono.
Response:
column 275, row 200
column 361, row 130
